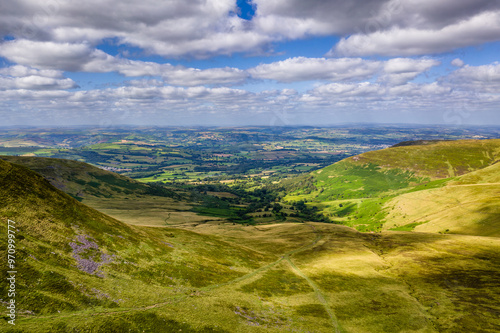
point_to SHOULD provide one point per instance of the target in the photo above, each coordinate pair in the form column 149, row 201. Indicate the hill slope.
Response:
column 436, row 160
column 71, row 258
column 115, row 195
column 82, row 271
column 79, row 179
column 356, row 191
column 469, row 204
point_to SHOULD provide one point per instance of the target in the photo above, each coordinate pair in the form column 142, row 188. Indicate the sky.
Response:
column 253, row 62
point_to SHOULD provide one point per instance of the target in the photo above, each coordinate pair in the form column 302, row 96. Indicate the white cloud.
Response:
column 154, row 102
column 21, row 71
column 457, row 62
column 204, row 28
column 482, row 28
column 304, row 69
column 407, row 65
column 22, row 77
column 485, row 73
column 366, row 93
column 195, row 77
column 48, row 55
column 170, row 28
column 298, row 19
column 59, row 35
column 393, row 71
column 478, row 79
column 399, row 71
column 81, row 57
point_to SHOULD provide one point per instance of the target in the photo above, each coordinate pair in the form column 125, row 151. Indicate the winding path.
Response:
column 319, row 294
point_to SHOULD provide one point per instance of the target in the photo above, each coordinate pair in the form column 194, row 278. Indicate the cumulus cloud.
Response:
column 22, row 77
column 479, row 79
column 54, row 37
column 196, row 77
column 399, row 71
column 457, row 62
column 204, row 28
column 82, row 57
column 479, row 29
column 379, row 97
column 393, row 71
column 297, row 19
column 384, row 27
column 170, row 28
column 21, row 71
column 304, row 69
column 47, row 54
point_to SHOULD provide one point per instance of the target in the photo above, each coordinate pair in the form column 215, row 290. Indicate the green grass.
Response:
column 344, row 180
column 355, row 191
column 277, row 282
column 213, row 276
column 437, row 160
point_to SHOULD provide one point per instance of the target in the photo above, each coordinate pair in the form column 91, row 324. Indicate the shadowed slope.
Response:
column 71, row 258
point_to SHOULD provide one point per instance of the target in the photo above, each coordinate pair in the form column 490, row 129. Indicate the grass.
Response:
column 407, row 227
column 437, row 160
column 80, row 179
column 277, row 282
column 368, row 191
column 391, row 282
column 149, row 211
column 161, row 263
column 462, row 209
column 213, row 276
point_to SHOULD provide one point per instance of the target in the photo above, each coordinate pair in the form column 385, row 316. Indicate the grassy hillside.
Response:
column 435, row 160
column 469, row 204
column 115, row 195
column 401, row 188
column 72, row 258
column 78, row 179
column 82, row 271
column 407, row 282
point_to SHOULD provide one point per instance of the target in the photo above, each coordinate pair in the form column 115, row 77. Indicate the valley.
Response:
column 382, row 237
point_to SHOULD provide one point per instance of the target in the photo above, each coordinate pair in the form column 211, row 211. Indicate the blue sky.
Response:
column 273, row 62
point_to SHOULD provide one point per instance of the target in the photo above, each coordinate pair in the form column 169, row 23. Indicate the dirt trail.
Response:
column 319, row 294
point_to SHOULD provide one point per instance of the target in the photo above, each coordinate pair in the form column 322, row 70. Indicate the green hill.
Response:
column 469, row 204
column 82, row 271
column 356, row 191
column 115, row 195
column 79, row 179
column 73, row 261
column 435, row 159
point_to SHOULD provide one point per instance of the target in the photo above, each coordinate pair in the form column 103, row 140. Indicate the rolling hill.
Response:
column 469, row 204
column 81, row 180
column 73, row 260
column 434, row 186
column 80, row 270
column 115, row 195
